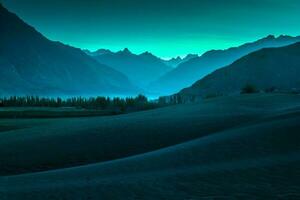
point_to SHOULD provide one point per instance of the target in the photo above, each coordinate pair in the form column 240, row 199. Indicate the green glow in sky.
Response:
column 164, row 27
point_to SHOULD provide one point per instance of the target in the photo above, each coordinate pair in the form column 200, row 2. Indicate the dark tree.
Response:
column 248, row 89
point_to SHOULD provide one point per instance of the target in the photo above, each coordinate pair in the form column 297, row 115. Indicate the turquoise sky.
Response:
column 165, row 27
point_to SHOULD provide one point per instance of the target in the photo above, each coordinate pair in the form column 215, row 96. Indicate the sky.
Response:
column 167, row 28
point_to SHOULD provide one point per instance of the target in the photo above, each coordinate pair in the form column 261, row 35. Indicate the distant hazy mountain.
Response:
column 141, row 69
column 194, row 69
column 98, row 52
column 277, row 68
column 32, row 64
column 174, row 62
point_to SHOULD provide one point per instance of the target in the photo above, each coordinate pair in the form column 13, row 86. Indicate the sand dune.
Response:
column 225, row 148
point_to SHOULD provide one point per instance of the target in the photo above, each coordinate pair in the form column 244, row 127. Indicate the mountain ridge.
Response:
column 275, row 68
column 174, row 62
column 191, row 71
column 140, row 68
column 42, row 67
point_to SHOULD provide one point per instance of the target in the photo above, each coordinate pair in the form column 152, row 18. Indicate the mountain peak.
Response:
column 270, row 37
column 189, row 56
column 267, row 38
column 147, row 53
column 126, row 50
column 287, row 37
column 102, row 51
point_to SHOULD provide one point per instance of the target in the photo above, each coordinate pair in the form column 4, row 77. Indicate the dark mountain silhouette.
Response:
column 174, row 62
column 189, row 72
column 141, row 69
column 32, row 64
column 266, row 69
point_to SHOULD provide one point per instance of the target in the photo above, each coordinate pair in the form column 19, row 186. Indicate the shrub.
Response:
column 248, row 89
column 295, row 91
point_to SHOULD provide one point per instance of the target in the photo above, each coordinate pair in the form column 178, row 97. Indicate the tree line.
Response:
column 139, row 102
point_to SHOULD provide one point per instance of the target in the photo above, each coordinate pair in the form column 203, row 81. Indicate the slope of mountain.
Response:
column 141, row 69
column 189, row 72
column 277, row 68
column 174, row 62
column 32, row 64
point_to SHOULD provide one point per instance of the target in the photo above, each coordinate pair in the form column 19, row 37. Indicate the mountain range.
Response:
column 266, row 69
column 174, row 62
column 33, row 65
column 193, row 70
column 141, row 69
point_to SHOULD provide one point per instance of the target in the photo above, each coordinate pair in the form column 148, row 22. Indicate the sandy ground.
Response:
column 245, row 147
